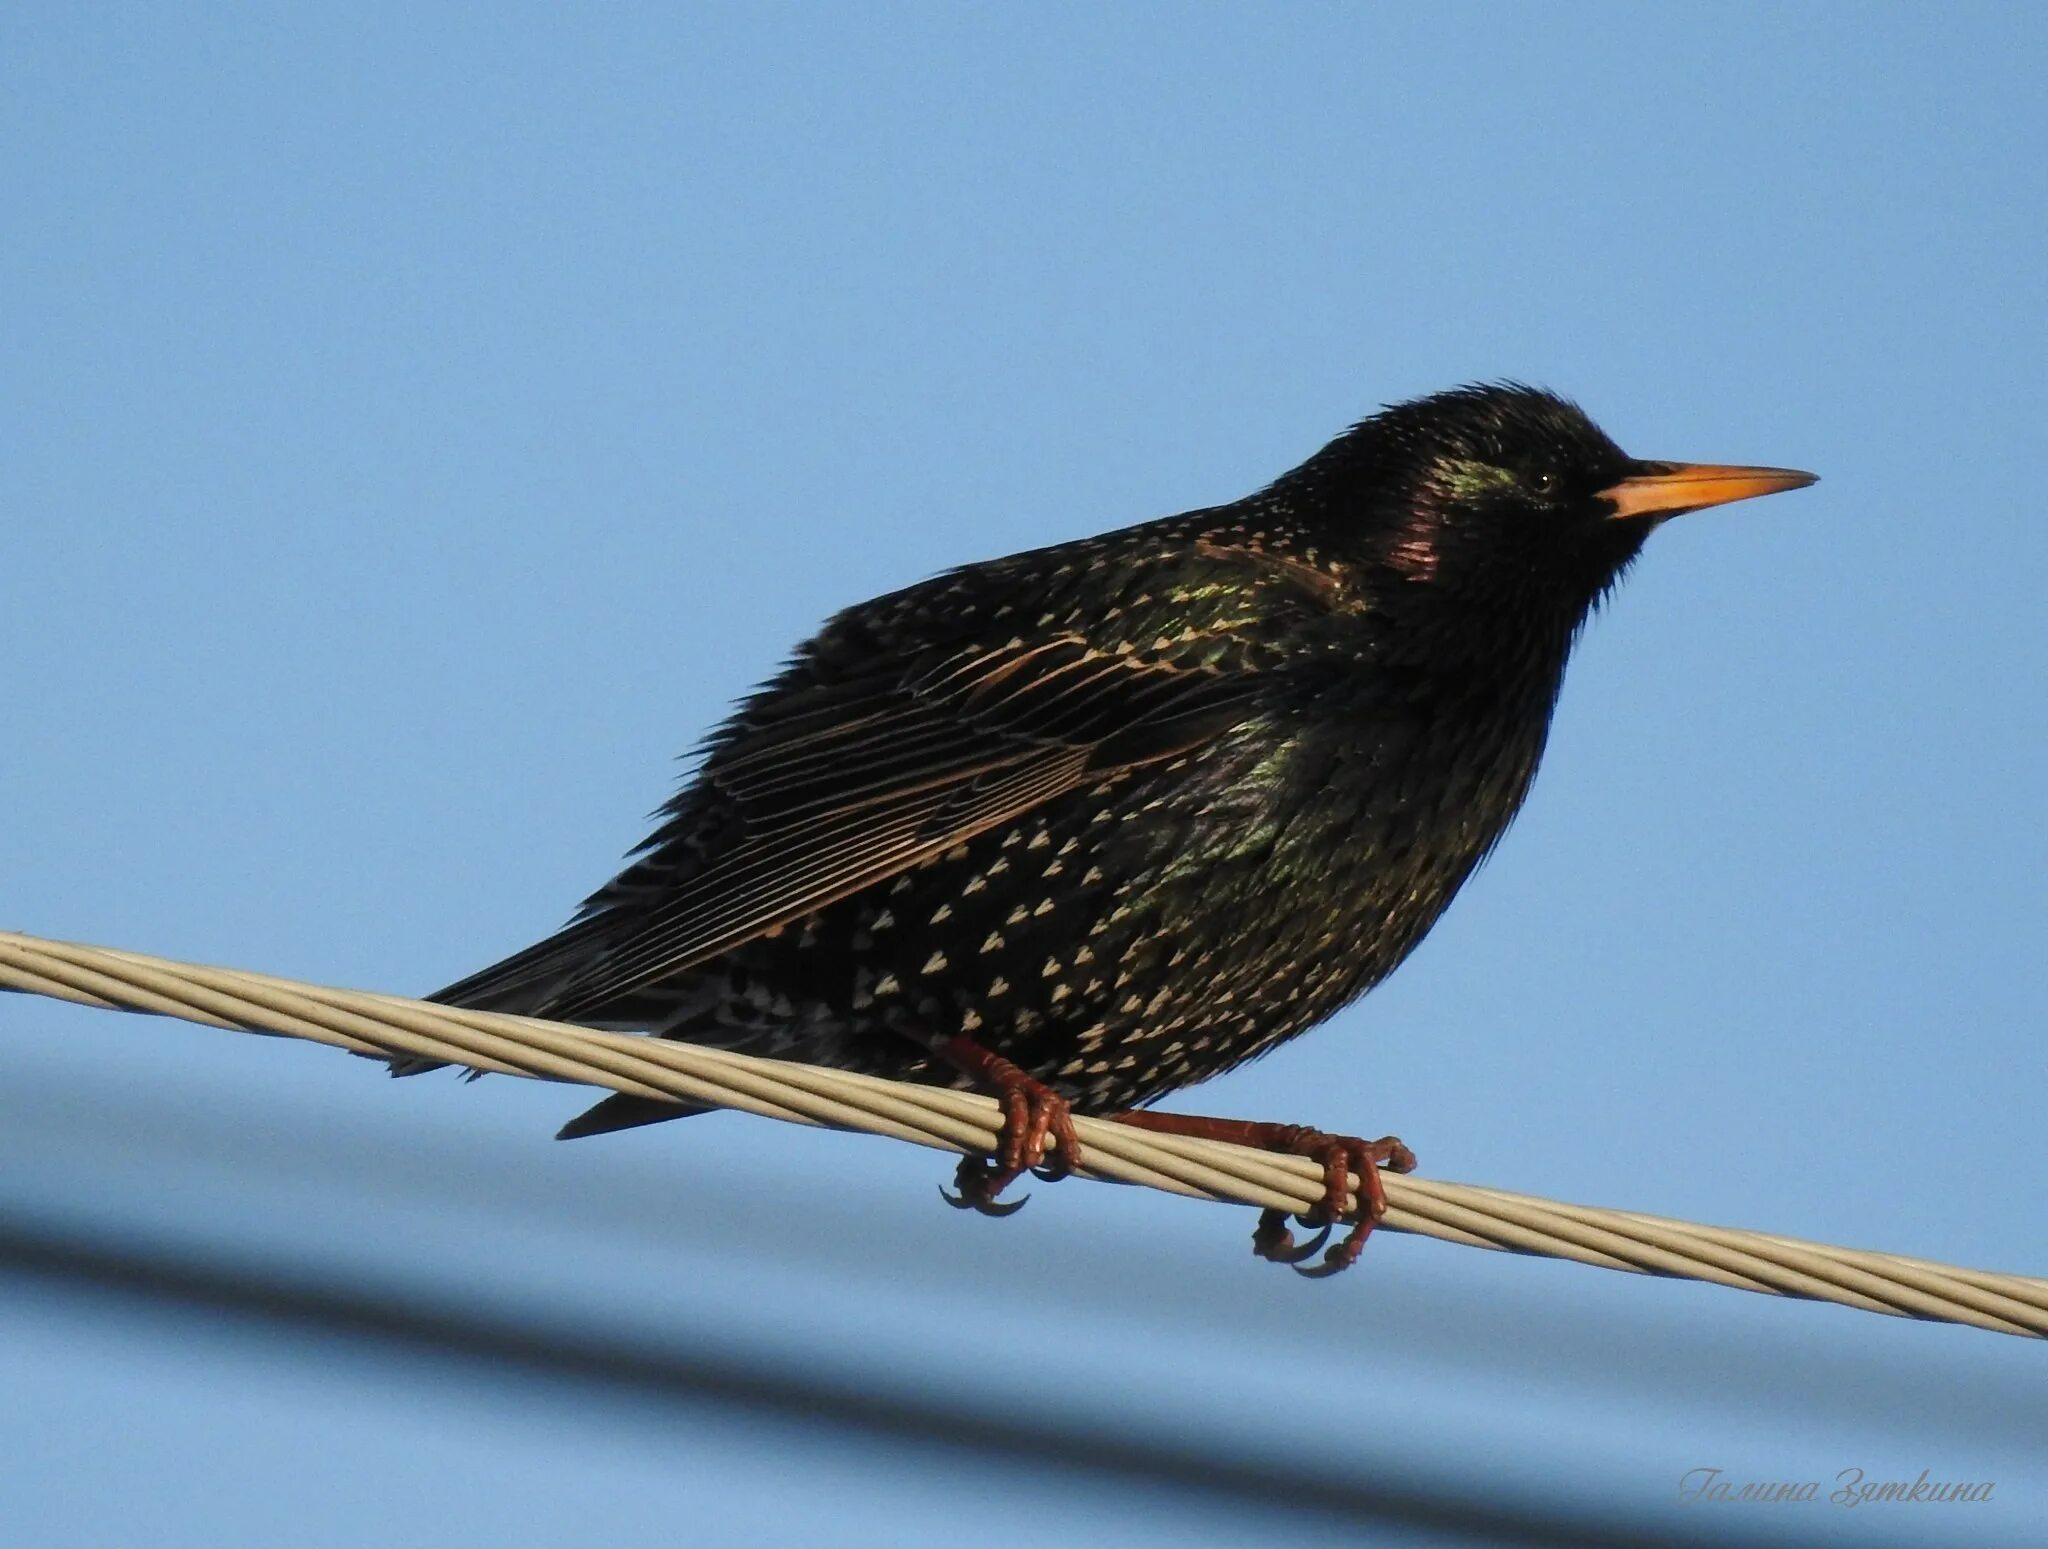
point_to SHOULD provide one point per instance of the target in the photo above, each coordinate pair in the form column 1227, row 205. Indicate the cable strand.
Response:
column 364, row 1022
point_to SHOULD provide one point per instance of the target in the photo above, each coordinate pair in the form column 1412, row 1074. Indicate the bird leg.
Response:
column 1034, row 1117
column 1341, row 1155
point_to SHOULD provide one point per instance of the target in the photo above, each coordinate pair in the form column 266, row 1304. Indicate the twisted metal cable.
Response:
column 368, row 1023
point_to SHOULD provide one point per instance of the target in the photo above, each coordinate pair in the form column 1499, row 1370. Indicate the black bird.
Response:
column 1092, row 823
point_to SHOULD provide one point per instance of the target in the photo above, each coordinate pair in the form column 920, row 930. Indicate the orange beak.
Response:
column 1672, row 489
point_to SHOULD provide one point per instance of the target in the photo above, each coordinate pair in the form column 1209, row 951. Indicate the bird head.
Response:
column 1503, row 495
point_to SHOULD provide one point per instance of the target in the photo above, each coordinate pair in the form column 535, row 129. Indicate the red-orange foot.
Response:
column 1341, row 1155
column 1035, row 1119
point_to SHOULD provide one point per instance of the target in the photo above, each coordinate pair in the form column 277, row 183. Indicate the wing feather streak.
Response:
column 766, row 884
column 857, row 781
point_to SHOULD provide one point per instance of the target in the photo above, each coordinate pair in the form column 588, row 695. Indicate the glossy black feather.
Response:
column 858, row 765
column 1127, row 810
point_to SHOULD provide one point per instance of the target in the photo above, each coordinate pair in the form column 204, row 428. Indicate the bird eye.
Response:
column 1544, row 482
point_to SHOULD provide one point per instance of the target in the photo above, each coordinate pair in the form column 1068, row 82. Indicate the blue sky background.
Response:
column 422, row 421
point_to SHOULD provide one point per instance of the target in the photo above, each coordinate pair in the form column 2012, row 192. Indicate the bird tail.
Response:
column 525, row 984
column 620, row 1111
column 522, row 984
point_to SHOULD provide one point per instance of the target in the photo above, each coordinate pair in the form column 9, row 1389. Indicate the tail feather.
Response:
column 620, row 1111
column 521, row 983
column 525, row 984
column 526, row 978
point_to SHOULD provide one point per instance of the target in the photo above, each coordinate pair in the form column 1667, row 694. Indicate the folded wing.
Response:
column 823, row 789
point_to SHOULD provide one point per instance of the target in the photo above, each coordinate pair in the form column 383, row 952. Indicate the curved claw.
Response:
column 979, row 1182
column 1296, row 1253
column 987, row 1207
column 1036, row 1135
column 1273, row 1241
column 1341, row 1256
column 1333, row 1264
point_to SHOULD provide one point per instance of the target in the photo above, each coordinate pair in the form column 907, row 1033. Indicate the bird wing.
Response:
column 837, row 786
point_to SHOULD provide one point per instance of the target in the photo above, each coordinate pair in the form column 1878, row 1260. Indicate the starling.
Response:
column 1092, row 823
